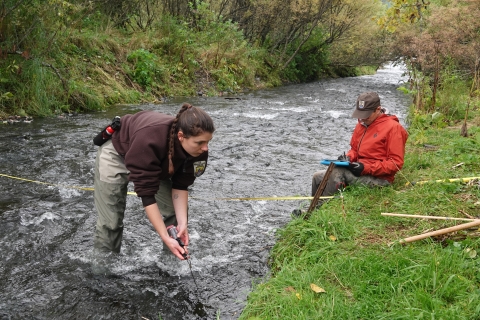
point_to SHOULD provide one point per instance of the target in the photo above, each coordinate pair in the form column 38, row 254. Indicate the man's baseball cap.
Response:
column 367, row 103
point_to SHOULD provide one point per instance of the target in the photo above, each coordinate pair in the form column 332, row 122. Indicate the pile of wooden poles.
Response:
column 463, row 226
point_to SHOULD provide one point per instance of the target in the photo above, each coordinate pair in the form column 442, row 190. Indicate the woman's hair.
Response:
column 192, row 121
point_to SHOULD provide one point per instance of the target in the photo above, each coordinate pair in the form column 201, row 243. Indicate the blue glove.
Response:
column 356, row 168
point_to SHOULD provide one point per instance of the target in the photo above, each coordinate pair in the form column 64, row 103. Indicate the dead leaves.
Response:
column 471, row 253
column 290, row 289
column 315, row 288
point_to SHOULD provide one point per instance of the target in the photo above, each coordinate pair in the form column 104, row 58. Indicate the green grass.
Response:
column 351, row 251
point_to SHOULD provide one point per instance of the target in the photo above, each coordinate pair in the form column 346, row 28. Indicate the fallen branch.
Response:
column 441, row 231
column 466, row 214
column 57, row 72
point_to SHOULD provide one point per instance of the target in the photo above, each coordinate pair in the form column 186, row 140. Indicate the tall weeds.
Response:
column 99, row 53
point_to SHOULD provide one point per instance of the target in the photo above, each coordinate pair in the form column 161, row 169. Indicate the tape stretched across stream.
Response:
column 267, row 144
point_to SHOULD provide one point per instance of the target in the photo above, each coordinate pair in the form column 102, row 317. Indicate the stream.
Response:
column 267, row 143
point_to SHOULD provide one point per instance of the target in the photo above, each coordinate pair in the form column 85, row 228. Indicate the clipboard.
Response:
column 336, row 162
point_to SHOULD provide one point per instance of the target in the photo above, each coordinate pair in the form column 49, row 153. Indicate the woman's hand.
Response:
column 179, row 251
column 182, row 233
column 155, row 218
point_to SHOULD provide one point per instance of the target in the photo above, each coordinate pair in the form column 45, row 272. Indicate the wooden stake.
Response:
column 424, row 217
column 441, row 231
column 320, row 189
column 463, row 130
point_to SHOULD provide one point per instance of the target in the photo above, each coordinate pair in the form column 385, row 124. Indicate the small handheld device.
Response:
column 172, row 232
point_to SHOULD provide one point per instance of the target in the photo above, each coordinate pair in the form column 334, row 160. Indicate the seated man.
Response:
column 377, row 149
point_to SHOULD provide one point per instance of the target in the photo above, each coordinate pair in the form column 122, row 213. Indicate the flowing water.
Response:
column 267, row 143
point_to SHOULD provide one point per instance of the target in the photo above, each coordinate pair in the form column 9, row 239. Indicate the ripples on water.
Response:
column 267, row 143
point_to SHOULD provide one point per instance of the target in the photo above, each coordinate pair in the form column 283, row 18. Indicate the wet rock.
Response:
column 17, row 119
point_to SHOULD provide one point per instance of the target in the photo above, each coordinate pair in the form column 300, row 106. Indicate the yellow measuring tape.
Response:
column 45, row 183
column 133, row 193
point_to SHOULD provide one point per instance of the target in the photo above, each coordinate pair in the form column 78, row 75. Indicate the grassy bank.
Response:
column 90, row 70
column 350, row 253
column 77, row 56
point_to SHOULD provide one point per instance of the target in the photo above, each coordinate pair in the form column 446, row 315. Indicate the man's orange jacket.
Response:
column 380, row 147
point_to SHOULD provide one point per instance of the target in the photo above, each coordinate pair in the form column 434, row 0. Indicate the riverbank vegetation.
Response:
column 78, row 55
